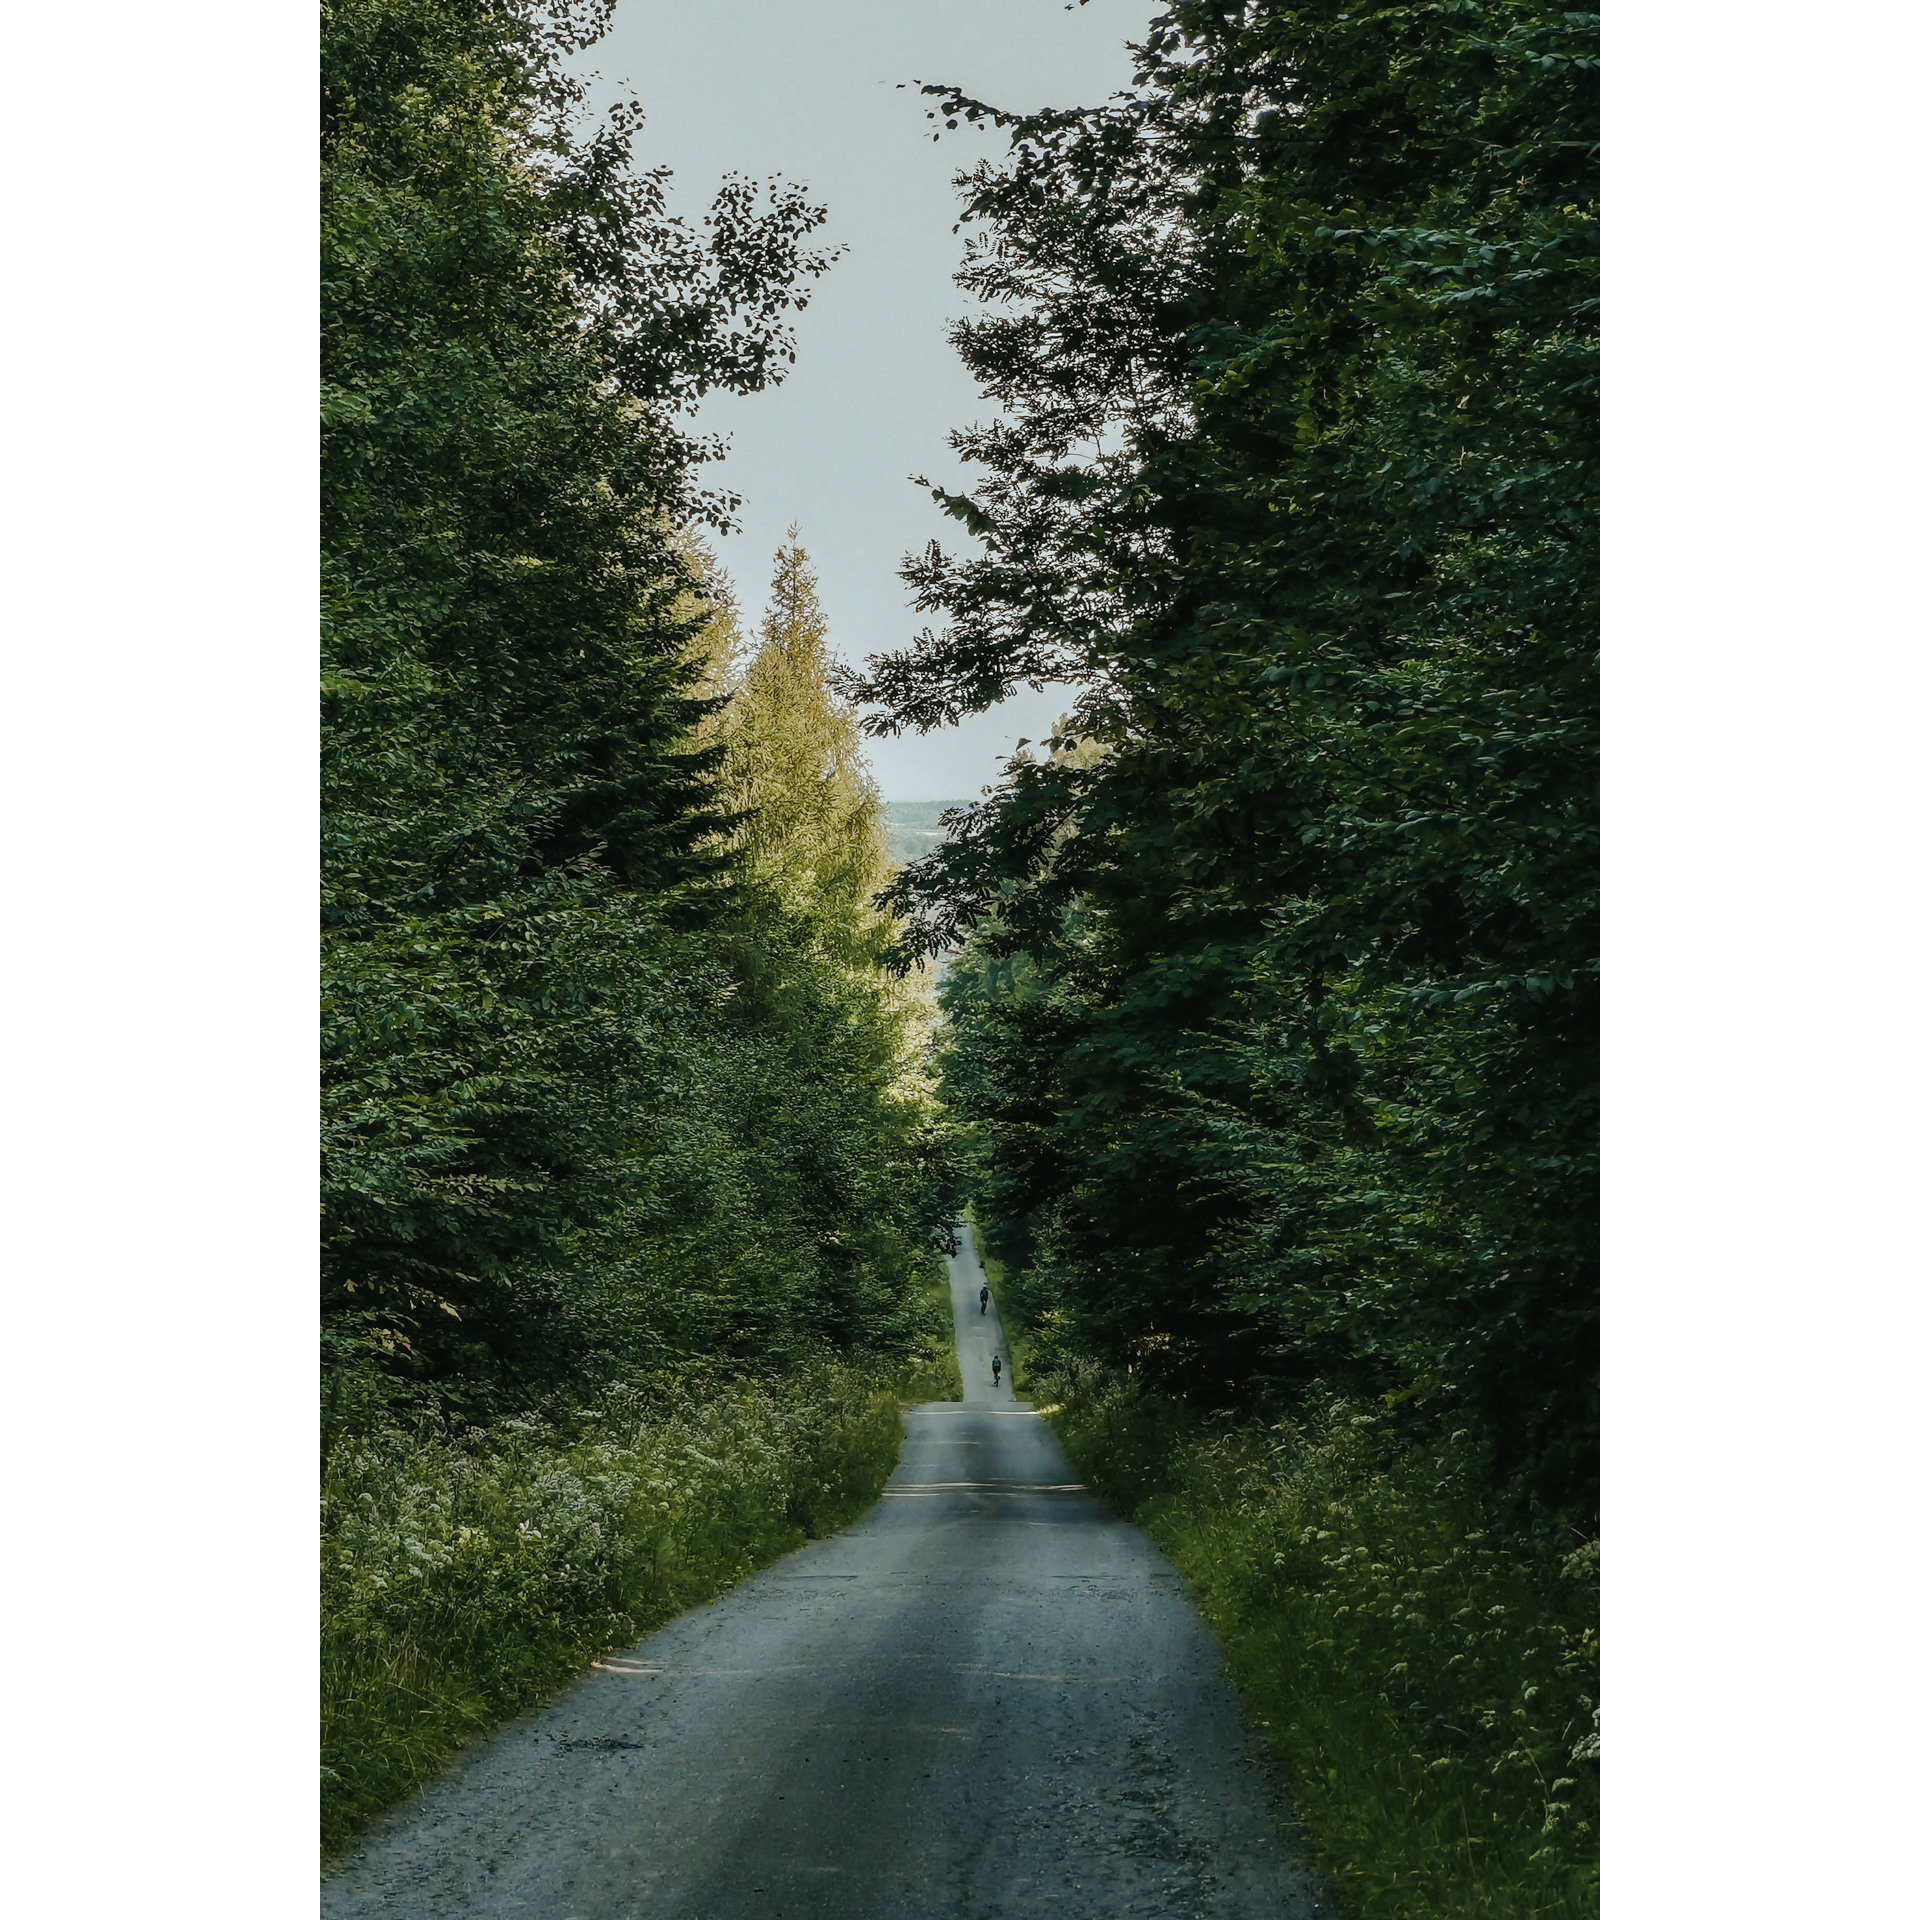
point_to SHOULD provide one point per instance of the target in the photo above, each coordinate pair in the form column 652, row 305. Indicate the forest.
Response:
column 633, row 1179
column 1264, row 1056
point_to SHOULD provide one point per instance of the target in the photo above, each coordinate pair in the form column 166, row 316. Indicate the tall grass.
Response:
column 1425, row 1669
column 467, row 1573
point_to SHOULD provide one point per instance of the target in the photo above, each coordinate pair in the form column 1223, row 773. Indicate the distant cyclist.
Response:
column 996, row 1369
column 983, row 1299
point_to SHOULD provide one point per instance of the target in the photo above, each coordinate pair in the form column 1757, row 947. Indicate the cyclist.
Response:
column 996, row 1369
column 983, row 1299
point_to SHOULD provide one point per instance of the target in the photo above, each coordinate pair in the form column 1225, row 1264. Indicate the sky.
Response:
column 810, row 90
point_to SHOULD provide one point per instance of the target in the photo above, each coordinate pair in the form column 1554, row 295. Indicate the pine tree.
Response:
column 812, row 828
column 511, row 800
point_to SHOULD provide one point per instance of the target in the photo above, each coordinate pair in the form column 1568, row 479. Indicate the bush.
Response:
column 469, row 1572
column 1426, row 1671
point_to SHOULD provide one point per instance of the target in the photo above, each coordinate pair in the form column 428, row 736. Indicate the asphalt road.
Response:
column 990, row 1697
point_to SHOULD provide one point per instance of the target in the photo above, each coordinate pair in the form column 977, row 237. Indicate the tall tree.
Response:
column 797, row 775
column 1295, row 352
column 511, row 800
column 858, row 1153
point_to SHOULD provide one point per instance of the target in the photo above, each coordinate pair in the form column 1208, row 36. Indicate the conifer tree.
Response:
column 515, row 799
column 825, row 1099
column 795, row 771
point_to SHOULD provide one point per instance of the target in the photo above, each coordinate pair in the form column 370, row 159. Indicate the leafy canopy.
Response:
column 589, row 1094
column 1293, row 470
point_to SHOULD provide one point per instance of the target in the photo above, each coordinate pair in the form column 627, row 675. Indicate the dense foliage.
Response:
column 632, row 1174
column 816, row 1071
column 603, row 1091
column 466, row 1572
column 1426, row 1674
column 1276, row 1021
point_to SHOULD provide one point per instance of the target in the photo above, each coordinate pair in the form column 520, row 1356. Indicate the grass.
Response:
column 467, row 1574
column 1426, row 1677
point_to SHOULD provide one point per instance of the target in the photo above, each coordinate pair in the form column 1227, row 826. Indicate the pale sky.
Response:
column 807, row 89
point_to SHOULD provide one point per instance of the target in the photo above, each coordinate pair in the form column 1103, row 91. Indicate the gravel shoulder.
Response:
column 989, row 1697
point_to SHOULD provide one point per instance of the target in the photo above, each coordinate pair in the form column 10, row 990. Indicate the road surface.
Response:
column 990, row 1697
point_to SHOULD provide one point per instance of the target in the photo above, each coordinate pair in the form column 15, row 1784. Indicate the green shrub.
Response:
column 1426, row 1674
column 469, row 1572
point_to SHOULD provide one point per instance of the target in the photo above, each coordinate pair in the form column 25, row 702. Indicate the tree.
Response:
column 1296, row 472
column 513, row 804
column 804, row 1078
column 796, row 775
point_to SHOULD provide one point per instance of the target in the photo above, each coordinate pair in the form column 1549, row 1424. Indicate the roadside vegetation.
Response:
column 1265, row 1047
column 1270, row 1004
column 468, row 1571
column 1424, row 1670
column 634, row 1177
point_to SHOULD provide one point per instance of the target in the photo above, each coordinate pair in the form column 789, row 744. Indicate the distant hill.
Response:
column 912, row 832
column 913, row 827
